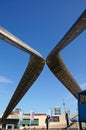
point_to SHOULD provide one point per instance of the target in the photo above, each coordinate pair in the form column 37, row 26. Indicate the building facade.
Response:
column 14, row 122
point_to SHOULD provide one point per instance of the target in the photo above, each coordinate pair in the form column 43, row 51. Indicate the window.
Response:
column 82, row 98
column 27, row 122
column 54, row 119
column 23, row 124
column 9, row 126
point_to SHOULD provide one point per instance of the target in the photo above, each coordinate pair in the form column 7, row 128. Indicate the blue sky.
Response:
column 41, row 24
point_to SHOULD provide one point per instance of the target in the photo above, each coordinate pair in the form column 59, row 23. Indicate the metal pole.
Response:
column 64, row 106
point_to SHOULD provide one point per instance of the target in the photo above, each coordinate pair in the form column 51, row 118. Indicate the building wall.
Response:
column 61, row 123
column 41, row 119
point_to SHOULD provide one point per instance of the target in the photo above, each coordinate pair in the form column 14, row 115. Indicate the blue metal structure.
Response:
column 82, row 109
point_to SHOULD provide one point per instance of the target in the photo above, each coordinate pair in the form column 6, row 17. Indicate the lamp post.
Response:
column 66, row 114
column 64, row 106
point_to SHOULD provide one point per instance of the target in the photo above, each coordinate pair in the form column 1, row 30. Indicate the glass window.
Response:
column 54, row 119
column 23, row 124
column 82, row 98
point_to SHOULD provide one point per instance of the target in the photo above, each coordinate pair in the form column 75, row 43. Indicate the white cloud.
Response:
column 3, row 79
column 83, row 86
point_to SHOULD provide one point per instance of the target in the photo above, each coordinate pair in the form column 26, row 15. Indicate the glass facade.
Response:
column 28, row 122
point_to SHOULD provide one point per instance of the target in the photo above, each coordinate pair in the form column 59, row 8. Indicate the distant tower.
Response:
column 57, row 110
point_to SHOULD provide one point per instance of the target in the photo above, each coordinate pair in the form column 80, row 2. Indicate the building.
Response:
column 13, row 121
column 57, row 110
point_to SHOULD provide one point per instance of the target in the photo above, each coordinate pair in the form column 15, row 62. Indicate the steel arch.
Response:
column 54, row 59
column 31, row 73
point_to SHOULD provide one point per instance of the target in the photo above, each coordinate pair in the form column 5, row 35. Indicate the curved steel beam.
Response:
column 55, row 62
column 31, row 73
